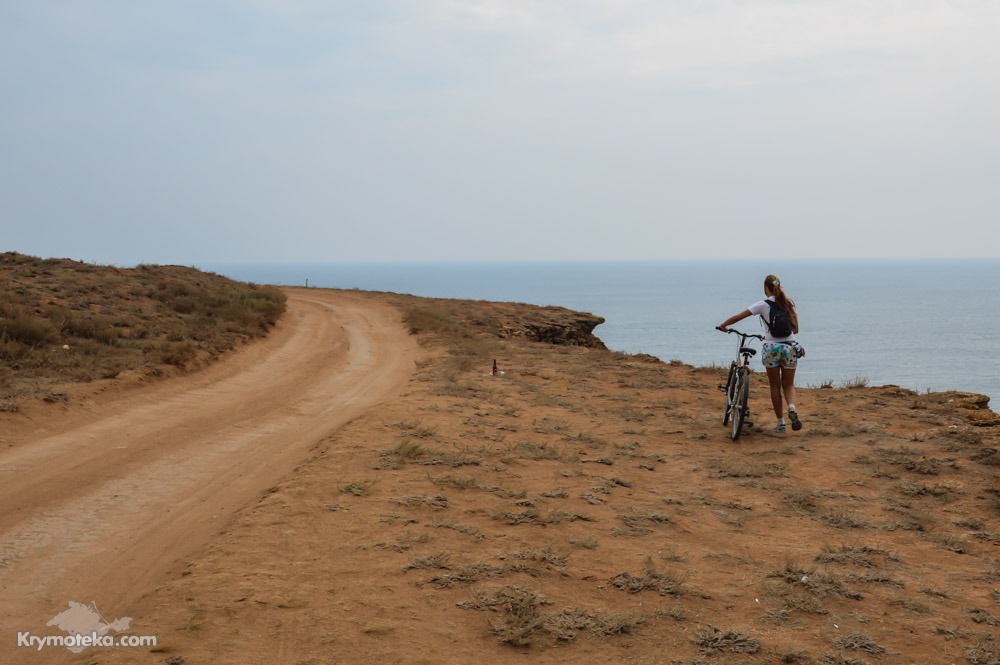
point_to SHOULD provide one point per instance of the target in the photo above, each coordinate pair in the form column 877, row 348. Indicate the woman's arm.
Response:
column 734, row 318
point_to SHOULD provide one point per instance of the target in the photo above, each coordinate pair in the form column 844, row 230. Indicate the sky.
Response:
column 252, row 131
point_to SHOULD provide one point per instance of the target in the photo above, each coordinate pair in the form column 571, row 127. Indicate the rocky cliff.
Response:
column 555, row 325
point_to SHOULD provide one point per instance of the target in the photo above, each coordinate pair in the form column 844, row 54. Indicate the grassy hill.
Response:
column 64, row 321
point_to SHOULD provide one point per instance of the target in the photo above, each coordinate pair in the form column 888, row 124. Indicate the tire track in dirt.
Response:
column 100, row 510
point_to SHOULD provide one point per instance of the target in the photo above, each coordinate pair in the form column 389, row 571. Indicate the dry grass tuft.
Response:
column 711, row 640
column 437, row 561
column 358, row 488
column 875, row 578
column 541, row 555
column 983, row 653
column 816, row 584
column 523, row 621
column 858, row 556
column 650, row 579
column 565, row 625
column 521, row 613
column 480, row 571
column 412, row 452
column 984, row 617
column 859, row 642
column 461, row 528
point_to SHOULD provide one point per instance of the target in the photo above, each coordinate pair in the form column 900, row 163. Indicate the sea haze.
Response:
column 923, row 325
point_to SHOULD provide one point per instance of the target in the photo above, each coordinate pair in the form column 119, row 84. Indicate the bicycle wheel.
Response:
column 729, row 395
column 740, row 403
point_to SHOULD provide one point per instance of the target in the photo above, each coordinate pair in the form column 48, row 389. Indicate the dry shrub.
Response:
column 101, row 328
column 858, row 556
column 651, row 579
column 438, row 561
column 711, row 640
column 521, row 615
column 637, row 521
column 523, row 621
column 478, row 571
column 874, row 578
column 859, row 642
column 461, row 528
column 565, row 625
column 178, row 354
column 987, row 456
column 801, row 500
column 542, row 555
column 528, row 516
column 27, row 330
column 426, row 320
column 816, row 584
column 538, row 452
column 844, row 520
column 983, row 653
column 984, row 617
column 416, row 453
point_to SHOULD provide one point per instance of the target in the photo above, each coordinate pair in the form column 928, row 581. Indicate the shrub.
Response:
column 178, row 354
column 29, row 330
column 104, row 329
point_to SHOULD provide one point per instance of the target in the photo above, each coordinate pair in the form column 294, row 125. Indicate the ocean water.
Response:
column 920, row 324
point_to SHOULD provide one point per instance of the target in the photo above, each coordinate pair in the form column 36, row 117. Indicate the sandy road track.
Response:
column 99, row 508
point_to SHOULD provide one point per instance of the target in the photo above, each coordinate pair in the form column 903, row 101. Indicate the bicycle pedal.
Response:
column 721, row 388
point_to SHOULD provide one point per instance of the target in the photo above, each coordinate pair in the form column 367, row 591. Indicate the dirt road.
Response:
column 96, row 507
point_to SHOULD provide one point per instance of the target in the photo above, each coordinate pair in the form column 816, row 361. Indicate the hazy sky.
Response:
column 283, row 130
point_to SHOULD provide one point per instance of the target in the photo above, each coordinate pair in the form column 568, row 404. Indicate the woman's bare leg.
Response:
column 788, row 385
column 775, row 380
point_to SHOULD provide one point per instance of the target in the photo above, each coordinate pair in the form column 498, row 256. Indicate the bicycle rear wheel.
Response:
column 741, row 398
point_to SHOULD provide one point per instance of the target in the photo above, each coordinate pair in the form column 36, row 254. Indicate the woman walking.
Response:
column 780, row 352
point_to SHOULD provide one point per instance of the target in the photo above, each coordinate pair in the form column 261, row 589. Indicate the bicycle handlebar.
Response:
column 741, row 334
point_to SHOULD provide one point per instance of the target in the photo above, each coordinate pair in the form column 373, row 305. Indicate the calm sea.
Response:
column 924, row 325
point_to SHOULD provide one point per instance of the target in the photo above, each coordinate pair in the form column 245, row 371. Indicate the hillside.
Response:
column 65, row 322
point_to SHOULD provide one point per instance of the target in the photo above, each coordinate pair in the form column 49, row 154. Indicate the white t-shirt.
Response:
column 763, row 310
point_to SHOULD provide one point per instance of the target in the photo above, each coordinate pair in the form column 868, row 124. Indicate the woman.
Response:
column 780, row 351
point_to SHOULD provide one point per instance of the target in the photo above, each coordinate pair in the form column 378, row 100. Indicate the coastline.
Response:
column 669, row 309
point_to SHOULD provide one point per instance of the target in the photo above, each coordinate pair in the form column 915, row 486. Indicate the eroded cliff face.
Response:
column 555, row 325
column 973, row 407
column 506, row 320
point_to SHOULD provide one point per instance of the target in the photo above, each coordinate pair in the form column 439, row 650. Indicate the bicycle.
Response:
column 737, row 386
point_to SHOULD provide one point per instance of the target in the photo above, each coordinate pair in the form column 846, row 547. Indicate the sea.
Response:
column 926, row 325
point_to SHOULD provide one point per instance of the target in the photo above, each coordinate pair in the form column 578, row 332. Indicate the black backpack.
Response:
column 781, row 321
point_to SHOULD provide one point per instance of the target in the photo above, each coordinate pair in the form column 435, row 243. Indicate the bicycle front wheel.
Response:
column 729, row 396
column 741, row 399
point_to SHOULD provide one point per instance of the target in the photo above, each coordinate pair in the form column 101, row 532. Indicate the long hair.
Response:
column 773, row 284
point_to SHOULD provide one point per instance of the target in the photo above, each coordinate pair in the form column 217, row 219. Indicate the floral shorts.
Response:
column 779, row 355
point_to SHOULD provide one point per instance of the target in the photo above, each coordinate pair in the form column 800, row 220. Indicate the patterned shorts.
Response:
column 778, row 355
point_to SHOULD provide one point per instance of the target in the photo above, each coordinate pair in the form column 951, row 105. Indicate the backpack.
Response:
column 781, row 321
